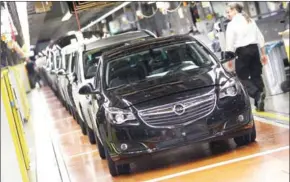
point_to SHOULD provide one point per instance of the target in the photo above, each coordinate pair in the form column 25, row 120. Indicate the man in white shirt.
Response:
column 245, row 39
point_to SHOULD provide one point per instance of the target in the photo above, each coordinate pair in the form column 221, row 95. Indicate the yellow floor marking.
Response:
column 271, row 115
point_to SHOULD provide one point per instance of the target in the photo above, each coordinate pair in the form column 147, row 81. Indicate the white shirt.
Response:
column 240, row 33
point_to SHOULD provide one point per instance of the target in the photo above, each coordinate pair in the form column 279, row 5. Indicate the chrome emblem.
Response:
column 179, row 109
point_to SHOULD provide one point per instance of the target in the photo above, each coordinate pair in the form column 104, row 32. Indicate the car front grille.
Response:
column 167, row 115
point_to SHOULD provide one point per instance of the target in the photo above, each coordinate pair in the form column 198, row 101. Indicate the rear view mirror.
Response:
column 227, row 56
column 61, row 72
column 75, row 78
column 52, row 72
column 87, row 90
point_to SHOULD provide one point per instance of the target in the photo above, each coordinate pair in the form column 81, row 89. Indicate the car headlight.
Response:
column 119, row 116
column 229, row 89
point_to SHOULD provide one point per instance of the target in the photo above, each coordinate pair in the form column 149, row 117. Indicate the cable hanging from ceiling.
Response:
column 146, row 16
column 173, row 10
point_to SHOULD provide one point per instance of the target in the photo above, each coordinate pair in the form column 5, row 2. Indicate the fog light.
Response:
column 124, row 146
column 241, row 118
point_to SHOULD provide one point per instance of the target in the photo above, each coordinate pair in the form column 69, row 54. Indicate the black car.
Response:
column 165, row 93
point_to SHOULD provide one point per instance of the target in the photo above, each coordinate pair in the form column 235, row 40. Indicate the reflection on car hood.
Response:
column 180, row 85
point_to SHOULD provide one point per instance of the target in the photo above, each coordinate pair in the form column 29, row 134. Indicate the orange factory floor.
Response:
column 62, row 153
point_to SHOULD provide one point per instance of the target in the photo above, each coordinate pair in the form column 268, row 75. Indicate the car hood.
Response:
column 167, row 89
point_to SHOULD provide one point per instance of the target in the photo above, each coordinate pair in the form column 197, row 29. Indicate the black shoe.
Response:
column 261, row 102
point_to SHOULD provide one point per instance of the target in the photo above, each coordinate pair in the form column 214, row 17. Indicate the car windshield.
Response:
column 91, row 58
column 162, row 61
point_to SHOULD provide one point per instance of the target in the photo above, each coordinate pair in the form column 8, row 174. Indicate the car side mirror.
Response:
column 87, row 90
column 227, row 56
column 75, row 78
column 61, row 72
column 52, row 72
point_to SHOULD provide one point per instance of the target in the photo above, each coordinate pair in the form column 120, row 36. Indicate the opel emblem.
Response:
column 179, row 109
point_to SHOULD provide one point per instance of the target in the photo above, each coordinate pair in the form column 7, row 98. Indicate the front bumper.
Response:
column 125, row 145
column 230, row 117
column 133, row 156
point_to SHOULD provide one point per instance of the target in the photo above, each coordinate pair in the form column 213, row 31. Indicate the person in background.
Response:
column 40, row 63
column 32, row 74
column 245, row 39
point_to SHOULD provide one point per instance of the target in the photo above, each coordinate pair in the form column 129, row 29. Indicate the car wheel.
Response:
column 73, row 113
column 116, row 170
column 285, row 86
column 68, row 109
column 83, row 127
column 101, row 149
column 246, row 139
column 91, row 135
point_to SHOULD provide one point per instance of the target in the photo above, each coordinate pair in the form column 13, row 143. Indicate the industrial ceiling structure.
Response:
column 51, row 20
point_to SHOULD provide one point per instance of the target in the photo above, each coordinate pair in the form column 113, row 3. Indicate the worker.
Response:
column 245, row 39
column 40, row 63
column 32, row 73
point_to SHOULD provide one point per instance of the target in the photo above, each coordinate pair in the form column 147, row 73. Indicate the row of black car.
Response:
column 134, row 94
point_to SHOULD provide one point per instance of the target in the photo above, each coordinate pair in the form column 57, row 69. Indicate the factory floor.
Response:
column 59, row 151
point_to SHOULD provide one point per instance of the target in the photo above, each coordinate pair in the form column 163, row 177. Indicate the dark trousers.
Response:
column 33, row 79
column 249, row 69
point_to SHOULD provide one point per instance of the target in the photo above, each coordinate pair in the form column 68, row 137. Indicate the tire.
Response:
column 101, row 149
column 91, row 135
column 73, row 113
column 285, row 86
column 116, row 170
column 67, row 108
column 246, row 139
column 83, row 125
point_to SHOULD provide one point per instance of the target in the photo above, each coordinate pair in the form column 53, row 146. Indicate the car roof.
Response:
column 121, row 51
column 116, row 39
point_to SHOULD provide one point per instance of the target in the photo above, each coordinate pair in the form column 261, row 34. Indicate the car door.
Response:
column 89, row 73
column 53, row 71
column 62, row 77
column 71, row 76
column 49, row 67
column 67, row 58
column 59, row 61
column 81, row 100
column 94, row 103
column 77, row 81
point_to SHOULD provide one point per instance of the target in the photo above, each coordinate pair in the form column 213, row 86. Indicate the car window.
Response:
column 52, row 65
column 75, row 63
column 67, row 60
column 90, row 64
column 158, row 62
column 91, row 58
column 58, row 60
column 97, row 78
column 78, row 70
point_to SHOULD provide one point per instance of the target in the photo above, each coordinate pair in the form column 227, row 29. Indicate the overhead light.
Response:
column 66, row 16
